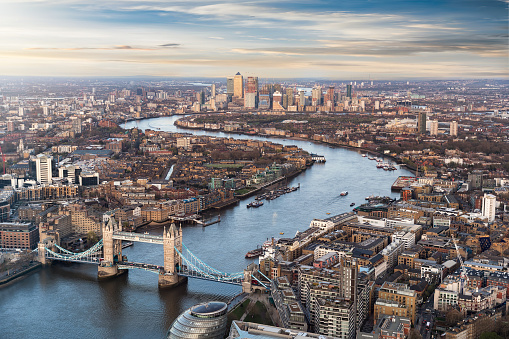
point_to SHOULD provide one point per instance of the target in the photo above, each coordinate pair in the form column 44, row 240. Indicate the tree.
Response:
column 490, row 335
column 414, row 334
column 92, row 238
column 452, row 317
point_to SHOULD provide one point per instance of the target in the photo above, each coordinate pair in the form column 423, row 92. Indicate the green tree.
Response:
column 92, row 238
column 490, row 335
column 452, row 317
column 414, row 334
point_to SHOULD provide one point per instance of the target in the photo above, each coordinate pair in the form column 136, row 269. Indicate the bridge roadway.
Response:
column 126, row 265
column 128, row 236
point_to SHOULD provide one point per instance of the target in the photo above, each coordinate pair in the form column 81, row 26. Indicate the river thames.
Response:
column 67, row 301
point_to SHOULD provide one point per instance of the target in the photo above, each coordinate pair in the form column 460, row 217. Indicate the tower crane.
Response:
column 3, row 158
column 463, row 271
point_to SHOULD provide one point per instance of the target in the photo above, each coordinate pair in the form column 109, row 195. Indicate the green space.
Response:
column 244, row 190
column 237, row 313
column 258, row 314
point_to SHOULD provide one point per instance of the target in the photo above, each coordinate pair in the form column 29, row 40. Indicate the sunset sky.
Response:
column 375, row 39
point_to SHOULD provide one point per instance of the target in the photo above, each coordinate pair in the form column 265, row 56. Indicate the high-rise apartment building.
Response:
column 289, row 94
column 329, row 95
column 238, row 86
column 316, row 96
column 251, row 92
column 488, row 206
column 453, row 129
column 421, row 123
column 277, row 101
column 41, row 168
column 213, row 90
column 433, row 127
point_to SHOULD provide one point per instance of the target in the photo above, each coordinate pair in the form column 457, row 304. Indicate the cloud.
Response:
column 171, row 45
column 112, row 48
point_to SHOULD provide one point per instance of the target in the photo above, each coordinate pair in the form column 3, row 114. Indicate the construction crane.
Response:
column 463, row 273
column 3, row 158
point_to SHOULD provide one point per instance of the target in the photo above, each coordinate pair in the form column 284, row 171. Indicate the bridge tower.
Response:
column 172, row 239
column 112, row 251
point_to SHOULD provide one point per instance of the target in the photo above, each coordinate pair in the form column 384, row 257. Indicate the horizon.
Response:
column 375, row 40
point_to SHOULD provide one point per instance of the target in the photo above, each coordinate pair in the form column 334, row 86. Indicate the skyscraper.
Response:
column 329, row 95
column 316, row 96
column 213, row 90
column 238, row 86
column 453, row 129
column 488, row 206
column 251, row 92
column 349, row 91
column 421, row 123
column 41, row 168
column 289, row 94
column 434, row 127
column 229, row 86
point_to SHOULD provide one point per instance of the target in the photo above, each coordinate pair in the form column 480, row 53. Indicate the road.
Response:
column 425, row 314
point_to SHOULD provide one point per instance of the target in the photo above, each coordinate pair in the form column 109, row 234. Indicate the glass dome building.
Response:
column 206, row 320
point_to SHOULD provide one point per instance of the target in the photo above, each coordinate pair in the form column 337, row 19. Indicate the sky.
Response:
column 329, row 39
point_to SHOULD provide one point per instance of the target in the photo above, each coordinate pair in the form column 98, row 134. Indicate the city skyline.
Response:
column 369, row 39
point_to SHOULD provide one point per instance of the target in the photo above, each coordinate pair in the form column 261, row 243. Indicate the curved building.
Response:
column 206, row 320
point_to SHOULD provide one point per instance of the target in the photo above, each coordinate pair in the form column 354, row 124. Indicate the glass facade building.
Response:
column 206, row 320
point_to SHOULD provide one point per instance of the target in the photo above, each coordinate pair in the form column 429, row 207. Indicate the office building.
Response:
column 89, row 179
column 453, row 129
column 213, row 90
column 207, row 320
column 488, row 206
column 240, row 329
column 238, row 86
column 69, row 172
column 15, row 235
column 421, row 123
column 229, row 86
column 349, row 91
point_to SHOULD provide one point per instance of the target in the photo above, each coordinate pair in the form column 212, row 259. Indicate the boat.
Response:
column 254, row 253
column 352, row 204
column 364, row 155
column 256, row 203
column 344, row 193
column 328, row 212
column 281, row 233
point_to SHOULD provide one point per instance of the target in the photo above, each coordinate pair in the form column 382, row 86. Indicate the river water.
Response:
column 67, row 301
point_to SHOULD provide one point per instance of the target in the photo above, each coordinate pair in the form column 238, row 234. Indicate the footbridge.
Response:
column 179, row 262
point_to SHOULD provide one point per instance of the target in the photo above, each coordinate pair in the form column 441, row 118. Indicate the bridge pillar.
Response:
column 111, row 248
column 247, row 282
column 172, row 238
column 41, row 253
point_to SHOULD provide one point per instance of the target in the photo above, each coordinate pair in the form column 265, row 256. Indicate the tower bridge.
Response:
column 179, row 262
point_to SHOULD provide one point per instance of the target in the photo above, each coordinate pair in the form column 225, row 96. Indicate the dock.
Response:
column 402, row 182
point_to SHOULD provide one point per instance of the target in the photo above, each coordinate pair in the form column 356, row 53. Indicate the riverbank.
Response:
column 18, row 274
column 269, row 184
